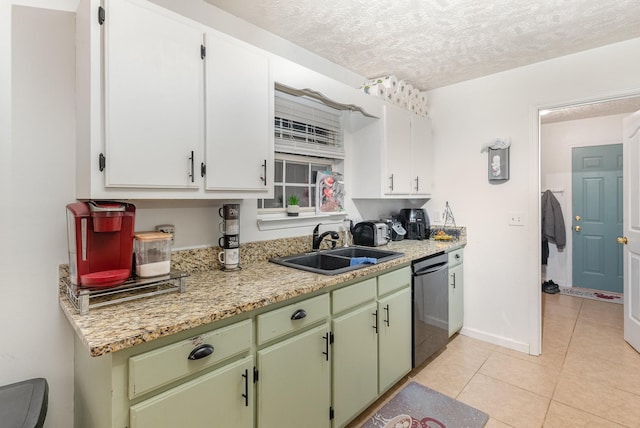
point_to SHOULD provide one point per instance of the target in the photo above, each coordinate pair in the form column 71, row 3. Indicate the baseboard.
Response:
column 496, row 340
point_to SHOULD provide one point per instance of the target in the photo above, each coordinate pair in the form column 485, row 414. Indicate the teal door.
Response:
column 597, row 217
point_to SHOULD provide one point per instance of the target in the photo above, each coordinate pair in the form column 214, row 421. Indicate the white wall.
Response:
column 502, row 262
column 37, row 341
column 556, row 142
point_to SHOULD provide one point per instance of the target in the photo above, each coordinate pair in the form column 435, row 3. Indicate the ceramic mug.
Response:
column 229, row 257
column 229, row 241
column 229, row 227
column 230, row 211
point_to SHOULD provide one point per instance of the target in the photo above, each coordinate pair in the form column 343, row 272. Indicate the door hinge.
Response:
column 203, row 51
column 331, row 337
column 102, row 162
column 100, row 15
column 203, row 169
column 255, row 375
column 331, row 413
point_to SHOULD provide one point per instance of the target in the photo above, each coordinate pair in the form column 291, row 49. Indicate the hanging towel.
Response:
column 553, row 229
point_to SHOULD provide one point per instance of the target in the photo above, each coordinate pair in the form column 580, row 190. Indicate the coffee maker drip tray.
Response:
column 84, row 299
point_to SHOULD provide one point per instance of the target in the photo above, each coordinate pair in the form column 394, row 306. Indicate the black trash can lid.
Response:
column 24, row 404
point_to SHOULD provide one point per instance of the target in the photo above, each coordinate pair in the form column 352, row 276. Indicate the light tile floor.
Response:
column 587, row 375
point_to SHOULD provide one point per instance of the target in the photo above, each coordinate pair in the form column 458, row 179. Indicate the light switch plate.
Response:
column 516, row 218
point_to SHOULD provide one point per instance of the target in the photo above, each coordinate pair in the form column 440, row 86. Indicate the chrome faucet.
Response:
column 317, row 238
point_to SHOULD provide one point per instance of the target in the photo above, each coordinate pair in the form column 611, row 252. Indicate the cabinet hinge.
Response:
column 102, row 162
column 100, row 15
column 255, row 375
column 331, row 338
column 203, row 169
column 331, row 413
column 203, row 51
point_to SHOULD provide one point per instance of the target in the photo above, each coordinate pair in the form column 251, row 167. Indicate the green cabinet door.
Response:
column 394, row 338
column 355, row 363
column 456, row 299
column 222, row 398
column 295, row 380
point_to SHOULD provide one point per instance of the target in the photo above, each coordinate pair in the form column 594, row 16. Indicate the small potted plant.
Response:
column 293, row 206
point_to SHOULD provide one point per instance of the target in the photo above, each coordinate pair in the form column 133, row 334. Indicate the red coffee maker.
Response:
column 100, row 239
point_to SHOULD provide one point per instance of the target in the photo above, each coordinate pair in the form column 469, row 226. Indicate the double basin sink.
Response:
column 337, row 260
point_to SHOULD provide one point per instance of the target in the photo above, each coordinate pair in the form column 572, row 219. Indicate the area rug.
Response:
column 417, row 406
column 587, row 293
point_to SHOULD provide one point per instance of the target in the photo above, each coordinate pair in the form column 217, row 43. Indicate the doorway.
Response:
column 555, row 162
column 562, row 130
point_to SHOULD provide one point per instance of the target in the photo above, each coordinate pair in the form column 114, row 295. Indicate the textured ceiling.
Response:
column 585, row 111
column 434, row 43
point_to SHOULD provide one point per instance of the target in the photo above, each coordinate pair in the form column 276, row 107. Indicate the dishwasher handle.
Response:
column 431, row 269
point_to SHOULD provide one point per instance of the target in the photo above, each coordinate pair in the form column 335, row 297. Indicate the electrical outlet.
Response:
column 516, row 218
column 168, row 228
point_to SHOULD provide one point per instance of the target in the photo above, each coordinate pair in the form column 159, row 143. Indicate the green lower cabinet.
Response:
column 394, row 338
column 456, row 291
column 355, row 363
column 295, row 381
column 221, row 398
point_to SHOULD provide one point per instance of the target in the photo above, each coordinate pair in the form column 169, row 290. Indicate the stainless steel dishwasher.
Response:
column 430, row 296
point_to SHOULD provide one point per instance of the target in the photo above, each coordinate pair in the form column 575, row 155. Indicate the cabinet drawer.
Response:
column 279, row 322
column 455, row 257
column 164, row 365
column 353, row 295
column 393, row 281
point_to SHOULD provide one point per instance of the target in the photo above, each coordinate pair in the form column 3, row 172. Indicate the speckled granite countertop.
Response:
column 213, row 294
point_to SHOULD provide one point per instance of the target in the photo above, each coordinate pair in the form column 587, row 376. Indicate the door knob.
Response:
column 622, row 240
column 578, row 218
column 577, row 228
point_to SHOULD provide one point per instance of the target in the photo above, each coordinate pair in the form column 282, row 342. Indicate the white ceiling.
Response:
column 434, row 43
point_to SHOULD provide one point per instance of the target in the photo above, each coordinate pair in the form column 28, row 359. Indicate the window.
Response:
column 308, row 139
column 295, row 175
column 307, row 127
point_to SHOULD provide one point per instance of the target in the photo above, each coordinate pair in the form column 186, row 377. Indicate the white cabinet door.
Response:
column 294, row 384
column 355, row 363
column 154, row 97
column 397, row 141
column 394, row 338
column 239, row 117
column 222, row 398
column 421, row 156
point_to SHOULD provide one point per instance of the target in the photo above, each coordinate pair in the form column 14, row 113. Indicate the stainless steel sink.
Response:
column 335, row 261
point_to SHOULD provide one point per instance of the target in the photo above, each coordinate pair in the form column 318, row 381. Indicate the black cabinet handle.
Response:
column 326, row 346
column 299, row 314
column 386, row 309
column 375, row 321
column 245, row 375
column 264, row 168
column 201, row 351
column 391, row 186
column 417, row 183
column 192, row 174
column 453, row 276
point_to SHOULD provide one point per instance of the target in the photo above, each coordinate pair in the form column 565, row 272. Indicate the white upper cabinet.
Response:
column 397, row 145
column 169, row 108
column 153, row 97
column 392, row 155
column 421, row 156
column 239, row 117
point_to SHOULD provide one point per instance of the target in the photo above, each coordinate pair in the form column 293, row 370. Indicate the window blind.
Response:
column 306, row 127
